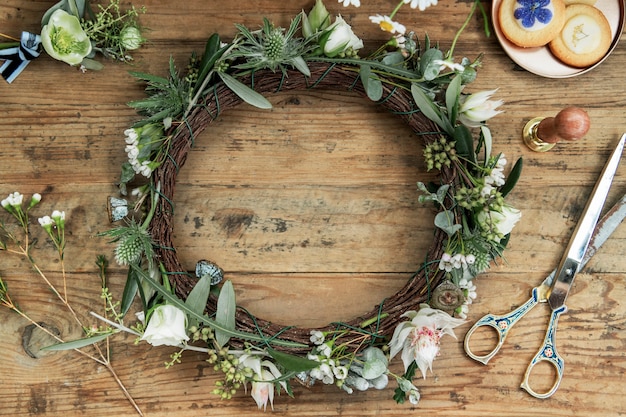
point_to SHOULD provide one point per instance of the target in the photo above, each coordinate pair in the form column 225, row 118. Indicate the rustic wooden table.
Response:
column 312, row 210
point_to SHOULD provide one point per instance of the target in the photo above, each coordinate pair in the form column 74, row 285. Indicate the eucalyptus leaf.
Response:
column 425, row 104
column 429, row 65
column 445, row 221
column 375, row 363
column 225, row 313
column 300, row 64
column 244, row 92
column 453, row 93
column 371, row 83
column 393, row 58
column 63, row 4
column 293, row 363
column 441, row 193
column 198, row 297
column 175, row 301
column 77, row 344
column 92, row 64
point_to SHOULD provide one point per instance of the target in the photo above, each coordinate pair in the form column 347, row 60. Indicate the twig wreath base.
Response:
column 335, row 77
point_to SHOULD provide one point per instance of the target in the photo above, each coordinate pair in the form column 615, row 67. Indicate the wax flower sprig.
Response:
column 17, row 239
column 72, row 31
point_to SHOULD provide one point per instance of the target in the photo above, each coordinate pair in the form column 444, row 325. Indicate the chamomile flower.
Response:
column 387, row 24
column 421, row 4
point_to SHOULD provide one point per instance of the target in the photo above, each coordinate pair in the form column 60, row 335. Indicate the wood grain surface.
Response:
column 311, row 208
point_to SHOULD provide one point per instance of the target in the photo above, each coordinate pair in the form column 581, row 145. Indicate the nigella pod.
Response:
column 204, row 268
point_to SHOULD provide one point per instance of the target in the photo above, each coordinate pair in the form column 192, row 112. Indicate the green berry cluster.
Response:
column 192, row 70
column 469, row 198
column 440, row 153
column 234, row 378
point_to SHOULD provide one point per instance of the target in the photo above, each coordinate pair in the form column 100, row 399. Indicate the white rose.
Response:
column 167, row 326
column 341, row 38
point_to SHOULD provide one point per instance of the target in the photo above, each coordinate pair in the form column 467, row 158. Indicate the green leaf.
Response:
column 429, row 66
column 197, row 298
column 292, row 362
column 371, row 83
column 452, row 98
column 63, row 4
column 426, row 105
column 487, row 139
column 225, row 313
column 300, row 64
column 464, row 143
column 77, row 344
column 445, row 221
column 514, row 175
column 130, row 290
column 244, row 92
column 375, row 363
column 175, row 301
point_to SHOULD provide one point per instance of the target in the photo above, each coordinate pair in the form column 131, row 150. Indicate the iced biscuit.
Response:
column 588, row 2
column 585, row 37
column 531, row 23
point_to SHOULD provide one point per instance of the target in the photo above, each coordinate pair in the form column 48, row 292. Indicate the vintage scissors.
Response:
column 588, row 236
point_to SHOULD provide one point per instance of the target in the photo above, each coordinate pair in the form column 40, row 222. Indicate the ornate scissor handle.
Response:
column 502, row 324
column 547, row 353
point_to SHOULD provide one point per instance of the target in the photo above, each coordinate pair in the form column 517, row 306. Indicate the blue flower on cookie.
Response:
column 532, row 10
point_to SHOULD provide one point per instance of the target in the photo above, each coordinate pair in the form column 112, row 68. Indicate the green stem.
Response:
column 396, row 9
column 458, row 33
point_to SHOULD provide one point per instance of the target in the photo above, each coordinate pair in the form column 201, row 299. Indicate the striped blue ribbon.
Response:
column 16, row 58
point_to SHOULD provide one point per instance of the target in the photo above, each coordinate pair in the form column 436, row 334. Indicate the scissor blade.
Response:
column 604, row 229
column 576, row 249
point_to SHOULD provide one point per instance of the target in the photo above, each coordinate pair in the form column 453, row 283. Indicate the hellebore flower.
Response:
column 64, row 39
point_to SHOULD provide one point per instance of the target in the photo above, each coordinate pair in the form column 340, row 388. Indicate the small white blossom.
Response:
column 414, row 396
column 399, row 41
column 346, row 3
column 317, row 337
column 14, row 200
column 46, row 222
column 58, row 216
column 449, row 64
column 340, row 372
column 421, row 4
column 385, row 23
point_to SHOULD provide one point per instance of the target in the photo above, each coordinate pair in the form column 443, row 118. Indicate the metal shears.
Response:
column 587, row 238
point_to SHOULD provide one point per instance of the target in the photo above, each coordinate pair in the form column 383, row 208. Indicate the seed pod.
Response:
column 447, row 297
column 204, row 267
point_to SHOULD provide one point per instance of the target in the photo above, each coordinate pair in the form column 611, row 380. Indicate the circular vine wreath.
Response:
column 411, row 79
column 323, row 76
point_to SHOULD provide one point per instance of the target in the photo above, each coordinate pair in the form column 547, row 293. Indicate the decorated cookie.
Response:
column 588, row 2
column 585, row 37
column 531, row 23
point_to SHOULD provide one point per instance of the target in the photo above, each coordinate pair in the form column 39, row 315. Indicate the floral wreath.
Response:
column 197, row 311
